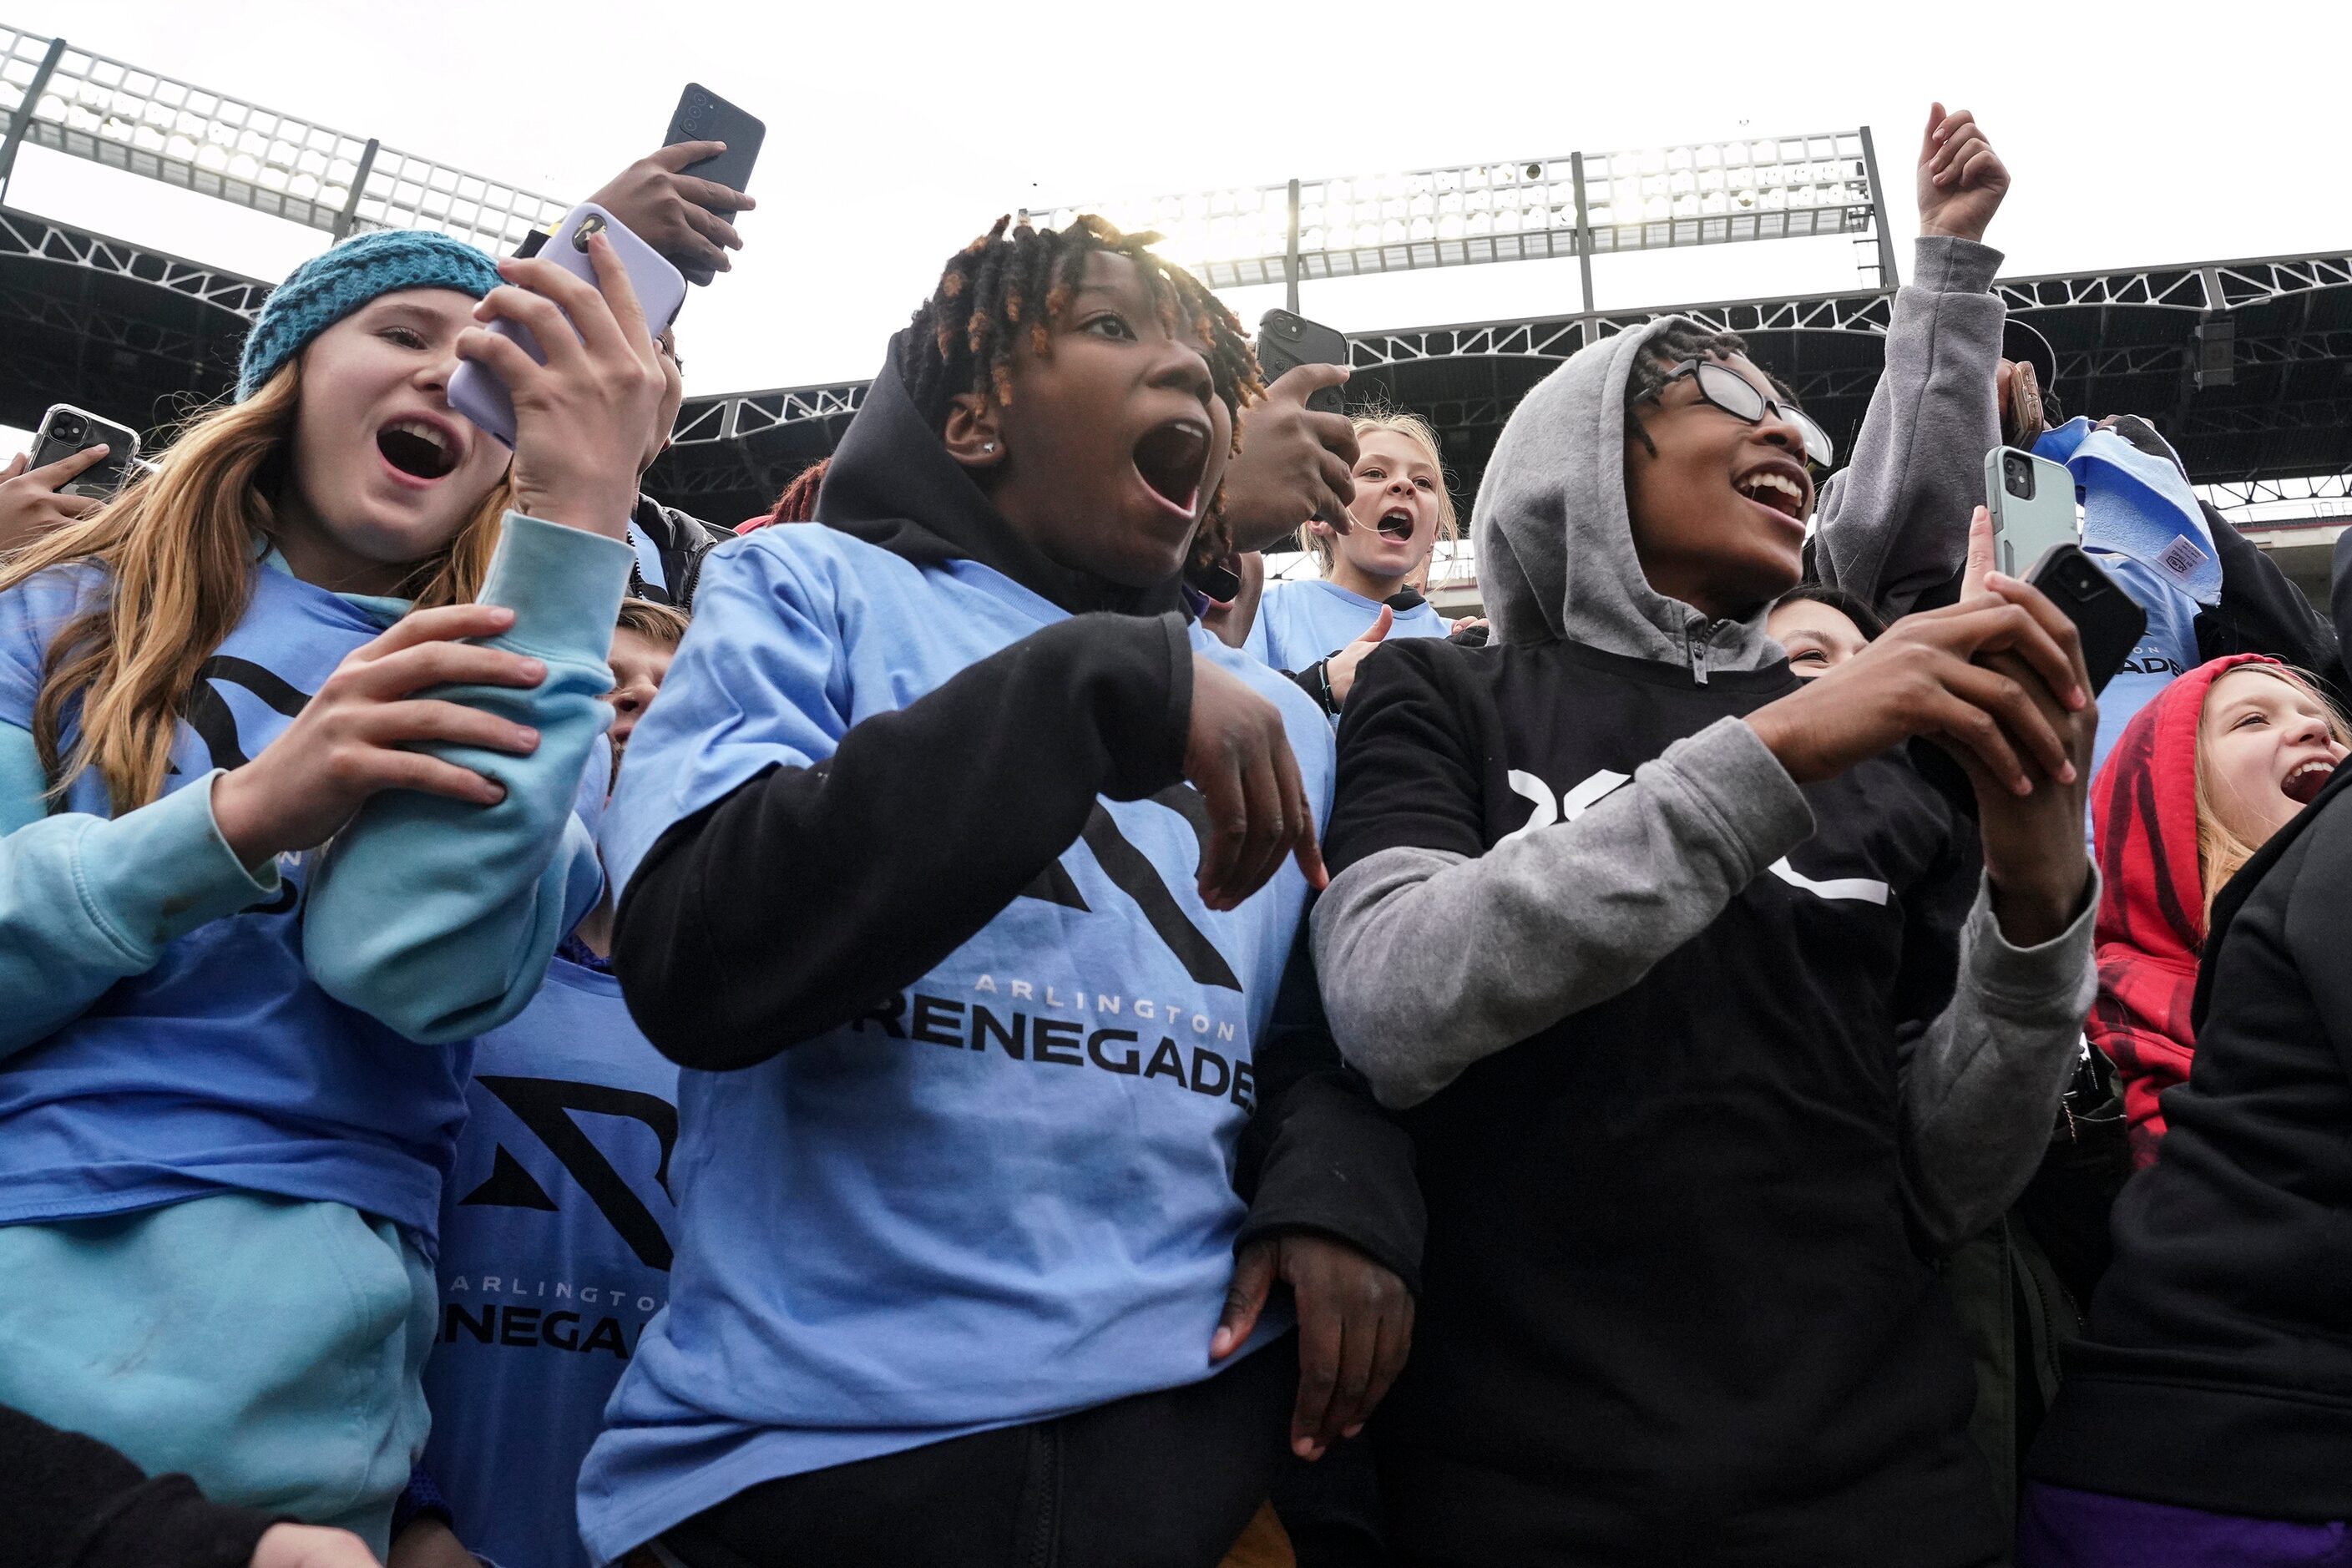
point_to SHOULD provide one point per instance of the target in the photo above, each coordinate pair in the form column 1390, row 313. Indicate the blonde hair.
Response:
column 177, row 552
column 1414, row 428
column 656, row 623
column 2222, row 852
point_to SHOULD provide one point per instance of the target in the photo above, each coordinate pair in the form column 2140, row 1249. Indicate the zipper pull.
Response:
column 1696, row 636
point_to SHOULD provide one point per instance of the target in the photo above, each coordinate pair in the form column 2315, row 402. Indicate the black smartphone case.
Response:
column 2107, row 621
column 114, row 471
column 1287, row 341
column 703, row 116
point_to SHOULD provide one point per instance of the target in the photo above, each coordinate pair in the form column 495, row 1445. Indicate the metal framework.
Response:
column 2127, row 338
column 1578, row 204
column 126, row 117
column 23, row 235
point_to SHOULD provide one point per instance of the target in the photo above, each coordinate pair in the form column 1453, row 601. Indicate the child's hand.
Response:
column 2034, row 852
column 1238, row 757
column 1925, row 678
column 1355, row 1324
column 1339, row 669
column 33, row 500
column 582, row 418
column 1293, row 463
column 677, row 214
column 1962, row 179
column 355, row 736
column 309, row 1546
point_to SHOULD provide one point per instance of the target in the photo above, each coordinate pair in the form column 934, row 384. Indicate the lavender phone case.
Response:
column 482, row 397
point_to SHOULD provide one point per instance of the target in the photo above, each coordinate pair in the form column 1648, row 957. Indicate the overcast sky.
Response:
column 896, row 132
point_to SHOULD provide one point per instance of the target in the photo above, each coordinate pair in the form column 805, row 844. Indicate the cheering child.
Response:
column 235, row 1067
column 954, row 869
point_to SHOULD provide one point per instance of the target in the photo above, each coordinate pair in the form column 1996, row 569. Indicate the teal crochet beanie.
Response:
column 327, row 288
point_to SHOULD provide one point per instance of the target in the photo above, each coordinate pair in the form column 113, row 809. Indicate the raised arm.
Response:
column 1892, row 521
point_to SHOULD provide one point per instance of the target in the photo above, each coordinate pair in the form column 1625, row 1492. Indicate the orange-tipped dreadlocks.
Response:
column 965, row 335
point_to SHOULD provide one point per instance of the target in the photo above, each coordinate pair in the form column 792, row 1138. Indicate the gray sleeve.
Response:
column 1430, row 961
column 1894, row 522
column 1980, row 1087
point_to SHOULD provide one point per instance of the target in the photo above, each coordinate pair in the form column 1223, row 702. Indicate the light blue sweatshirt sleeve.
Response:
column 86, row 900
column 438, row 916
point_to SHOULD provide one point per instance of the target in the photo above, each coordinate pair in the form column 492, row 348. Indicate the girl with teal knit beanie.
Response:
column 290, row 734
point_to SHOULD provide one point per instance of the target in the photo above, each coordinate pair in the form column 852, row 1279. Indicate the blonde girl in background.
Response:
column 1320, row 628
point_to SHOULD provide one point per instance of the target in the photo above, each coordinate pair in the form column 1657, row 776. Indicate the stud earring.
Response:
column 988, row 446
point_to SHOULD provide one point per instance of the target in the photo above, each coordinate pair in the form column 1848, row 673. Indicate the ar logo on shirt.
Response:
column 210, row 716
column 545, row 1107
column 1130, row 870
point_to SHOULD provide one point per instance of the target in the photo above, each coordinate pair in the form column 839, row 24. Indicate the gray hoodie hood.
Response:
column 1555, row 541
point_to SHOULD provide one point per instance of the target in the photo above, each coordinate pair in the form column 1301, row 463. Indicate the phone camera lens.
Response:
column 590, row 225
column 67, row 428
column 2017, row 475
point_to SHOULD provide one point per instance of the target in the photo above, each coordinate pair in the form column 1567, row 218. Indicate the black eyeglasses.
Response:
column 1738, row 396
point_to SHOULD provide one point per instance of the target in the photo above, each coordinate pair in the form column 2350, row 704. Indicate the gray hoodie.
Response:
column 1893, row 524
column 1431, row 960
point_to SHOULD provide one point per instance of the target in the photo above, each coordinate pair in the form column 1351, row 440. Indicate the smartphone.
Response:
column 2107, row 621
column 703, row 116
column 478, row 394
column 65, row 430
column 1287, row 341
column 2032, row 504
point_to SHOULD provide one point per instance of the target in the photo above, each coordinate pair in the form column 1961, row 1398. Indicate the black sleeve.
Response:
column 2339, row 587
column 1320, row 1153
column 2262, row 612
column 71, row 1502
column 1413, row 743
column 807, row 896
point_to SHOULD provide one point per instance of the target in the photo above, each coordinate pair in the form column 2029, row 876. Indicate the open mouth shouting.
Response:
column 1778, row 485
column 2302, row 783
column 421, row 451
column 1396, row 524
column 1170, row 458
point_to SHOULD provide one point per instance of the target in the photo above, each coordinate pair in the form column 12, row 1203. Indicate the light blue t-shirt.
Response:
column 1006, row 1195
column 555, row 1253
column 223, row 1066
column 1310, row 618
column 2165, row 651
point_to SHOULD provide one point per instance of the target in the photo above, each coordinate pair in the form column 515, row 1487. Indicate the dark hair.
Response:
column 1016, row 277
column 1865, row 619
column 1003, row 281
column 1646, row 382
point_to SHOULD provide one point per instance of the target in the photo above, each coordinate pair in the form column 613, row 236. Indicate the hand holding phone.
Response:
column 725, row 143
column 687, row 218
column 479, row 389
column 66, row 430
column 569, row 366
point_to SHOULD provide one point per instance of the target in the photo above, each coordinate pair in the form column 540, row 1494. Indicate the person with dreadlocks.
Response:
column 955, row 869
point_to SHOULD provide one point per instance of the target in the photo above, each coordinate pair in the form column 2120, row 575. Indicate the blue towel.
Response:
column 2137, row 503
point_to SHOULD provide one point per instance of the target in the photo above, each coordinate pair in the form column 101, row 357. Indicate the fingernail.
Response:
column 2066, row 773
column 1303, row 1448
column 535, row 669
column 1352, row 1431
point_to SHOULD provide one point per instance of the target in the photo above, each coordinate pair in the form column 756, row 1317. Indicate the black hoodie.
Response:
column 2217, row 1370
column 888, row 873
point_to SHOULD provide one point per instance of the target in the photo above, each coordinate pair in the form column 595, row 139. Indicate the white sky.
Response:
column 2138, row 134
